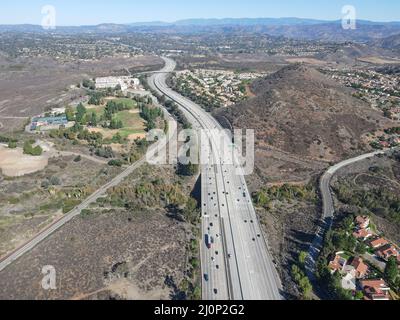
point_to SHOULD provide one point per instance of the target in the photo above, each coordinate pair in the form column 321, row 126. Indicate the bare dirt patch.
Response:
column 311, row 61
column 378, row 60
column 14, row 163
column 85, row 250
column 45, row 83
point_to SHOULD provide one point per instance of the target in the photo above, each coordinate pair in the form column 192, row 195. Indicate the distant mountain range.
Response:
column 290, row 21
column 296, row 28
column 234, row 21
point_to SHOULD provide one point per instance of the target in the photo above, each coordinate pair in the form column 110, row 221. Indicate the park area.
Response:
column 133, row 126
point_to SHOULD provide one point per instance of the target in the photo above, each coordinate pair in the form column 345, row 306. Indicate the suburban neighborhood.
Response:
column 361, row 274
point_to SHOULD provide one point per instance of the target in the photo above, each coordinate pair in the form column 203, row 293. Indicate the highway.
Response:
column 9, row 259
column 236, row 263
column 329, row 209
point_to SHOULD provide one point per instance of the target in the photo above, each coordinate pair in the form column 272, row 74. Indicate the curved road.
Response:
column 238, row 265
column 329, row 209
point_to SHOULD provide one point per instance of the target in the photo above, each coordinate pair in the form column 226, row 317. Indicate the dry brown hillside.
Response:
column 300, row 111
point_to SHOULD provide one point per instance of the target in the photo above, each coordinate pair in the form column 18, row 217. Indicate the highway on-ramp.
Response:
column 236, row 263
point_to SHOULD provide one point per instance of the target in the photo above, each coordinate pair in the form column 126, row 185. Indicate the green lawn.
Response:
column 346, row 255
column 130, row 120
column 126, row 132
column 126, row 101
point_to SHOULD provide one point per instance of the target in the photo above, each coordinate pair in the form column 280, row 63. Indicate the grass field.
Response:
column 126, row 101
column 133, row 124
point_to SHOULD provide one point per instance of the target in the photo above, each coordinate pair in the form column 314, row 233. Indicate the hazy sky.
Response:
column 89, row 12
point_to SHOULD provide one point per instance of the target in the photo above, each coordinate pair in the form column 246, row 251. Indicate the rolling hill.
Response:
column 300, row 111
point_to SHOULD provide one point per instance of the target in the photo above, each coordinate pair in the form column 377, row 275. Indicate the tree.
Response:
column 80, row 113
column 359, row 295
column 116, row 124
column 30, row 150
column 188, row 169
column 12, row 144
column 392, row 271
column 55, row 181
column 302, row 258
column 69, row 113
column 360, row 248
column 93, row 120
column 197, row 293
column 115, row 163
column 117, row 138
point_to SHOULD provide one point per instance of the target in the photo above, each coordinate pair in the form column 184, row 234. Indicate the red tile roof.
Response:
column 362, row 234
column 375, row 289
column 379, row 243
column 387, row 252
column 360, row 266
column 363, row 221
column 337, row 263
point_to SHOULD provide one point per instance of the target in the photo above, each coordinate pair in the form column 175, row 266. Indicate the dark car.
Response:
column 206, row 278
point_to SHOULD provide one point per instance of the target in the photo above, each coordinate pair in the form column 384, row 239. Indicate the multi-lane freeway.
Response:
column 236, row 263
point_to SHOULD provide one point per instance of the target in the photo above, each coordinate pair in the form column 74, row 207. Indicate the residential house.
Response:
column 375, row 289
column 349, row 278
column 363, row 234
column 380, row 242
column 384, row 144
column 363, row 222
column 337, row 264
column 361, row 269
column 387, row 252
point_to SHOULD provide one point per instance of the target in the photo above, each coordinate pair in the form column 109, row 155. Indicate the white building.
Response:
column 135, row 82
column 349, row 278
column 110, row 82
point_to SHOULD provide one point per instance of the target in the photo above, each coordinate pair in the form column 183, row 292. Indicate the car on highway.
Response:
column 208, row 242
column 215, row 291
column 206, row 278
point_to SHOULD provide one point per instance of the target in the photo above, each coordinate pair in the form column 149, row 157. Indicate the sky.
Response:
column 92, row 12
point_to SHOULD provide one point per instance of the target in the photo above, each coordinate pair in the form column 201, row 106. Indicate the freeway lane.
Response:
column 249, row 272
